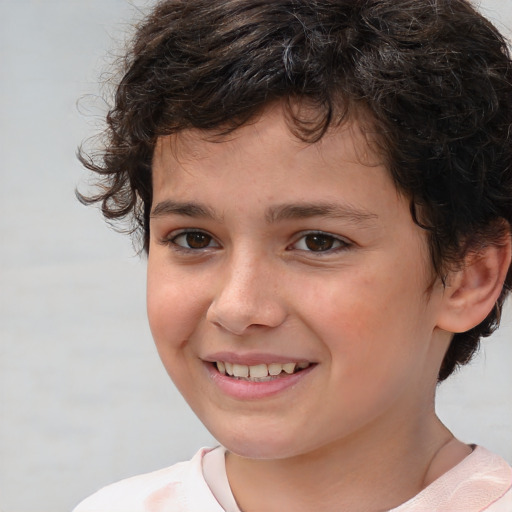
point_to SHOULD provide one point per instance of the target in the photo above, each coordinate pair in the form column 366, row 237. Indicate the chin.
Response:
column 258, row 444
column 260, row 451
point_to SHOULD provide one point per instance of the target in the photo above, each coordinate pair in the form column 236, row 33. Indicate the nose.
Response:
column 248, row 297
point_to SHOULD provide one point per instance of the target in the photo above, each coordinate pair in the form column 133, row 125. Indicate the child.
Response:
column 324, row 192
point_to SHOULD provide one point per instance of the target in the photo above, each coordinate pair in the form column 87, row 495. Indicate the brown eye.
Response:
column 319, row 242
column 198, row 240
column 194, row 240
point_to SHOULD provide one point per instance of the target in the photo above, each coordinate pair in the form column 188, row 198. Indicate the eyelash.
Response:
column 171, row 240
column 340, row 244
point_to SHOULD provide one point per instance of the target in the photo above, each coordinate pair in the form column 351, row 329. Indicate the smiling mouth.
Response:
column 259, row 372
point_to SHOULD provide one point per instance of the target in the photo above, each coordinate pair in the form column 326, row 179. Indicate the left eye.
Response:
column 194, row 240
column 319, row 242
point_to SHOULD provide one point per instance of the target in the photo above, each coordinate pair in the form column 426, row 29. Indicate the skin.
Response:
column 358, row 432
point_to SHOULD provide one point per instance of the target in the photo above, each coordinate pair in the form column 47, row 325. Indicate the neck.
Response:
column 366, row 473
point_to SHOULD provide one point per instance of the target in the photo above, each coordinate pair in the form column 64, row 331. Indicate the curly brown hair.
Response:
column 435, row 78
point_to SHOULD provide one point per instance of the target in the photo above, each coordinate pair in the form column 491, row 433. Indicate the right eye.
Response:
column 194, row 240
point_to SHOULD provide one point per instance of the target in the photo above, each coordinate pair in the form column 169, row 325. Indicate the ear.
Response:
column 472, row 291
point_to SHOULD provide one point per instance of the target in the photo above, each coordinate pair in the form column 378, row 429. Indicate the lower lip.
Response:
column 246, row 390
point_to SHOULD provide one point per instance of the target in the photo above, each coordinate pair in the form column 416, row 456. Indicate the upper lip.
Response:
column 251, row 359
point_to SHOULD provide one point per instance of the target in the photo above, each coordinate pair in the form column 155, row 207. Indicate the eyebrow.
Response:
column 186, row 209
column 274, row 214
column 329, row 210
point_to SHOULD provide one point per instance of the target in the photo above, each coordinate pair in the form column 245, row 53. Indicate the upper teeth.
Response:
column 258, row 371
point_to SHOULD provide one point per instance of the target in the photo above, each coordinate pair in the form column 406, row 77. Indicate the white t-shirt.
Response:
column 481, row 482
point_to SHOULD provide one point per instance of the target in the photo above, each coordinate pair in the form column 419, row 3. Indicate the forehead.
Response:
column 271, row 141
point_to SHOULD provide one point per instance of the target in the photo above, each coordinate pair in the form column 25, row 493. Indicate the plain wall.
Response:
column 84, row 400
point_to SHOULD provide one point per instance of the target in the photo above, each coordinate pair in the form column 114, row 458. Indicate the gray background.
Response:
column 83, row 398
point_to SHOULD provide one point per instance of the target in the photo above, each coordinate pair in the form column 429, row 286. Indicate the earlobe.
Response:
column 472, row 291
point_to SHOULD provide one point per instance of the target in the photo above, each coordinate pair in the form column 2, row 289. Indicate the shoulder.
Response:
column 181, row 486
column 492, row 481
column 503, row 504
column 481, row 482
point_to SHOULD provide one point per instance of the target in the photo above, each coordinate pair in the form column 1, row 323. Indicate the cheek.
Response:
column 370, row 321
column 352, row 302
column 174, row 306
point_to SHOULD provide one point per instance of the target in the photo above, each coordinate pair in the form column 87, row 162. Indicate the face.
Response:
column 288, row 288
